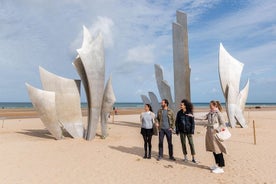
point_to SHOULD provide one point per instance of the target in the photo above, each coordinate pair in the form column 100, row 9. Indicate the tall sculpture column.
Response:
column 182, row 70
column 181, row 65
column 91, row 67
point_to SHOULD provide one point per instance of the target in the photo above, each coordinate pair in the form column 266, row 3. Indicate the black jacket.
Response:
column 184, row 123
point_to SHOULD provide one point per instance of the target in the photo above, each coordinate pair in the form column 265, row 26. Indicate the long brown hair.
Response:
column 216, row 104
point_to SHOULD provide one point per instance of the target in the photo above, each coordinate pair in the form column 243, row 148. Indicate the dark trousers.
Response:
column 183, row 143
column 168, row 134
column 147, row 144
column 219, row 159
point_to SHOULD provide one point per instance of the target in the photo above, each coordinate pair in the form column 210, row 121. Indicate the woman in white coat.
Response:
column 215, row 124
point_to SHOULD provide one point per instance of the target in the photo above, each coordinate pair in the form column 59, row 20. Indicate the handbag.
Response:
column 224, row 134
column 155, row 129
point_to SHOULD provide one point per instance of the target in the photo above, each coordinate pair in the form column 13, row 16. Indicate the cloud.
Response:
column 141, row 54
column 103, row 25
column 137, row 34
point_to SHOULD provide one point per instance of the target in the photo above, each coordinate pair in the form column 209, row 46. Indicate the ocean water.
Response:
column 119, row 105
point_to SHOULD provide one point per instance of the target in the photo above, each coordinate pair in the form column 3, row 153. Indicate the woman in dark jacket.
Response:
column 185, row 126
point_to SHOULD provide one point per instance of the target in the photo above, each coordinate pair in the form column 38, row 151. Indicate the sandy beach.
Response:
column 29, row 154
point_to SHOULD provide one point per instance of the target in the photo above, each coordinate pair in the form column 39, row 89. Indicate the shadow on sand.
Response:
column 139, row 151
column 45, row 134
column 127, row 123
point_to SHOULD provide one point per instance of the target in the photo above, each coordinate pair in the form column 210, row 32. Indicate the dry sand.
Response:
column 29, row 154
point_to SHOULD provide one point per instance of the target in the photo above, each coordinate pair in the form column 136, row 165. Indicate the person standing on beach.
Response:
column 165, row 124
column 185, row 126
column 147, row 120
column 215, row 124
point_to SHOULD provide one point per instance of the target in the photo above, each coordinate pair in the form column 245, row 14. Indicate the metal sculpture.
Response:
column 45, row 104
column 90, row 65
column 145, row 99
column 155, row 104
column 108, row 102
column 163, row 86
column 182, row 70
column 59, row 103
column 68, row 109
column 230, row 70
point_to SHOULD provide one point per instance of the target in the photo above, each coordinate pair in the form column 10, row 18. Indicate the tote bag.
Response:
column 224, row 134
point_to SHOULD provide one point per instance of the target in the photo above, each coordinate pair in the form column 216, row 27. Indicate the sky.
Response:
column 137, row 35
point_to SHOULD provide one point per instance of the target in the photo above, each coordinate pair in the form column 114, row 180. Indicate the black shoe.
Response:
column 159, row 158
column 194, row 161
column 149, row 157
column 145, row 157
column 172, row 158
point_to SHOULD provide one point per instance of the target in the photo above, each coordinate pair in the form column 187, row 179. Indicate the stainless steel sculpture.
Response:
column 68, row 109
column 230, row 71
column 108, row 102
column 152, row 100
column 90, row 65
column 155, row 104
column 59, row 103
column 159, row 78
column 182, row 70
column 163, row 86
column 145, row 99
column 45, row 104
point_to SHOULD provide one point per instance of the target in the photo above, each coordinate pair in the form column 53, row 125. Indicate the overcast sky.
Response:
column 137, row 35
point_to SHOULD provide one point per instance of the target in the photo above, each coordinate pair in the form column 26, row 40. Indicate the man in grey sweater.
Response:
column 166, row 123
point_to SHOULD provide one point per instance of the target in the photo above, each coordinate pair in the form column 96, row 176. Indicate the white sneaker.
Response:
column 218, row 170
column 185, row 158
column 213, row 167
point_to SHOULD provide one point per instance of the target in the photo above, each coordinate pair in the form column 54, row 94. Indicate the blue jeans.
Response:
column 168, row 134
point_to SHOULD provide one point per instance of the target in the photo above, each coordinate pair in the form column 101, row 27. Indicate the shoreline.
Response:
column 15, row 113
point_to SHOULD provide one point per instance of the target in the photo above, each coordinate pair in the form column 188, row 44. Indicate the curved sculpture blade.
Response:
column 81, row 71
column 68, row 107
column 154, row 102
column 243, row 96
column 234, row 111
column 69, row 113
column 53, row 82
column 108, row 102
column 145, row 99
column 87, row 39
column 45, row 104
column 163, row 86
column 92, row 58
column 229, row 70
column 167, row 93
column 159, row 79
column 230, row 73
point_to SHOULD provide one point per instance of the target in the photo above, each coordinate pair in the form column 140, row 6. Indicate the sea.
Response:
column 122, row 105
